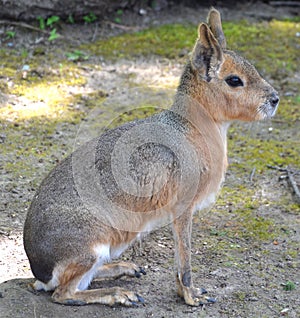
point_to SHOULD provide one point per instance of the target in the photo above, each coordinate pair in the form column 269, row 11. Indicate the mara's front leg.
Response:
column 182, row 229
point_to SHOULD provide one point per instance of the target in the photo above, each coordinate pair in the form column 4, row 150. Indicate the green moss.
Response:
column 38, row 146
column 41, row 79
column 48, row 104
column 289, row 110
column 138, row 113
column 245, row 222
column 293, row 19
column 288, row 206
column 240, row 295
column 251, row 226
column 291, row 253
column 167, row 41
column 289, row 286
column 261, row 153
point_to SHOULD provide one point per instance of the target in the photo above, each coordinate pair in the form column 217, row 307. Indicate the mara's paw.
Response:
column 139, row 271
column 126, row 298
column 196, row 296
column 130, row 269
column 111, row 297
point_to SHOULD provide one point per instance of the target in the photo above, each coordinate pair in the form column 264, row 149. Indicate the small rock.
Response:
column 2, row 138
column 284, row 311
column 280, row 265
column 142, row 12
column 289, row 94
column 183, row 52
column 288, row 258
column 25, row 67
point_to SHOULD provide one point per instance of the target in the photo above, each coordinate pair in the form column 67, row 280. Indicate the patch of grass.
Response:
column 249, row 225
column 244, row 222
column 90, row 18
column 289, row 286
column 44, row 83
column 76, row 56
column 166, row 41
column 10, row 34
column 293, row 19
column 240, row 295
column 289, row 110
column 291, row 253
column 288, row 206
column 138, row 113
column 37, row 146
column 260, row 153
column 293, row 207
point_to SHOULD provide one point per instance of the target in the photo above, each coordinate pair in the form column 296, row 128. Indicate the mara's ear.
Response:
column 215, row 24
column 207, row 55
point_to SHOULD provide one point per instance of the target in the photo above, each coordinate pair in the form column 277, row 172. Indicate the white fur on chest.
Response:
column 210, row 199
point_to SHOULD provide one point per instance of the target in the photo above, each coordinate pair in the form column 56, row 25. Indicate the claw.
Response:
column 136, row 303
column 208, row 300
column 140, row 299
column 142, row 271
column 139, row 272
column 211, row 300
column 74, row 302
column 203, row 291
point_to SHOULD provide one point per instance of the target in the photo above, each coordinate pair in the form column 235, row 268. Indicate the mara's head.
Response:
column 226, row 83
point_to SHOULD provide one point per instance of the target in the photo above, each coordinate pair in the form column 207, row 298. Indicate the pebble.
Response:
column 142, row 12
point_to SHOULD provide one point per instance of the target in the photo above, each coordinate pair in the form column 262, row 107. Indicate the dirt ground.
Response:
column 249, row 282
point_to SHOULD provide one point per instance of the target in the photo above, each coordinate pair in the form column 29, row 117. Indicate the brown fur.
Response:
column 81, row 217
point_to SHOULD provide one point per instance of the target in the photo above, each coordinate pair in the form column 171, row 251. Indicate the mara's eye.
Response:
column 234, row 81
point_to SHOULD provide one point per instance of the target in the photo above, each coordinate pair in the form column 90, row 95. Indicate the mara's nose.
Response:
column 274, row 100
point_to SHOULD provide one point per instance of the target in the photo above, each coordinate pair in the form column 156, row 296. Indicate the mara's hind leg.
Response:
column 72, row 289
column 117, row 270
column 109, row 296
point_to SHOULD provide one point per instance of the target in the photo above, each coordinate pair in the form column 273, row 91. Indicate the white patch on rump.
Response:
column 206, row 203
column 51, row 285
column 103, row 256
column 102, row 252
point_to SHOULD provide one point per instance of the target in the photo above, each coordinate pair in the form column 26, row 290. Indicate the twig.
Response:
column 23, row 25
column 252, row 174
column 95, row 32
column 28, row 26
column 289, row 175
column 277, row 168
column 293, row 184
column 120, row 26
column 279, row 121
